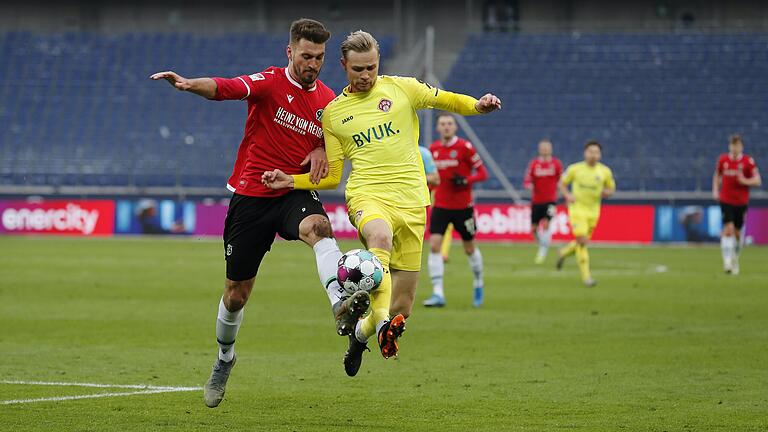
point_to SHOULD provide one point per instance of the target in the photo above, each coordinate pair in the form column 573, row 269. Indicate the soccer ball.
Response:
column 359, row 270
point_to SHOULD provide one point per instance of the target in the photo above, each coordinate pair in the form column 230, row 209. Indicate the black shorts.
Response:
column 542, row 211
column 733, row 213
column 463, row 221
column 252, row 223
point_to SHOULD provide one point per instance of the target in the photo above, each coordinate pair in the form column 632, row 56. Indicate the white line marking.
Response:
column 77, row 384
column 143, row 389
column 91, row 396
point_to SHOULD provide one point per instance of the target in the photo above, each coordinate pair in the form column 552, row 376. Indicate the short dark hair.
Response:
column 735, row 138
column 444, row 114
column 593, row 143
column 309, row 29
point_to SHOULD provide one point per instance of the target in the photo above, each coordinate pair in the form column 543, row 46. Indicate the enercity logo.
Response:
column 71, row 218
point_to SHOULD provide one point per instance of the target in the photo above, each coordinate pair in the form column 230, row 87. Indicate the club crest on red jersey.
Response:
column 385, row 105
column 319, row 114
column 453, row 153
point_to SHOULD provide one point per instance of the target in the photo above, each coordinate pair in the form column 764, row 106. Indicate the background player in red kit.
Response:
column 460, row 167
column 541, row 178
column 738, row 172
column 283, row 127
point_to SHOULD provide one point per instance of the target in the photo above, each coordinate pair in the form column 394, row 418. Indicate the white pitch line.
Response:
column 144, row 389
column 98, row 395
column 78, row 384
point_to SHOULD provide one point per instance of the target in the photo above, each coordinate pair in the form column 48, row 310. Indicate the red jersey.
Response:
column 732, row 192
column 283, row 126
column 543, row 176
column 457, row 157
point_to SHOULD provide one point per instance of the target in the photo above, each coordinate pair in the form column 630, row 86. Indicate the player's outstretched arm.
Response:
column 277, row 179
column 423, row 95
column 205, row 87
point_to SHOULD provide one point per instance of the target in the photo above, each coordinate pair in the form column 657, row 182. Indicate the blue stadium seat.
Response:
column 78, row 108
column 663, row 105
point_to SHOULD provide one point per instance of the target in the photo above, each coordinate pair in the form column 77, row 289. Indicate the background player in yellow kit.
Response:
column 374, row 124
column 590, row 182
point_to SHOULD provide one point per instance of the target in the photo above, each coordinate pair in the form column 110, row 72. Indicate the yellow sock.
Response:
column 445, row 248
column 380, row 297
column 582, row 258
column 568, row 249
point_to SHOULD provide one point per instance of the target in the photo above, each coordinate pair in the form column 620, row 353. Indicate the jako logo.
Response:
column 72, row 218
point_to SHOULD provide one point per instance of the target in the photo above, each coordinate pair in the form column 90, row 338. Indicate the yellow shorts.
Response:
column 582, row 224
column 407, row 225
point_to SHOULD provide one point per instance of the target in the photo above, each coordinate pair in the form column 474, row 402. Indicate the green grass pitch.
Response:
column 666, row 342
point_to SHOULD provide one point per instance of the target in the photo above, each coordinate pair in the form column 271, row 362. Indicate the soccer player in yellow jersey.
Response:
column 590, row 182
column 373, row 123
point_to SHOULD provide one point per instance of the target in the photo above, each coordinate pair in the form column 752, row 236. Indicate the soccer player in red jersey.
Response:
column 737, row 172
column 460, row 167
column 541, row 178
column 283, row 130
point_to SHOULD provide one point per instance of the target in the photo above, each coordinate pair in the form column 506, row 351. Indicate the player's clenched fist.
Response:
column 175, row 79
column 488, row 103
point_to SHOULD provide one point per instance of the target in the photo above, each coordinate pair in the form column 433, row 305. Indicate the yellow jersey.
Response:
column 587, row 184
column 378, row 131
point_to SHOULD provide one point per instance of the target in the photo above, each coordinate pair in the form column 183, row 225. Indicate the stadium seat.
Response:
column 663, row 105
column 78, row 108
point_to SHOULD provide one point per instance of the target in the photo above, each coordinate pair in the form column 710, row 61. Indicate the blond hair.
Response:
column 360, row 42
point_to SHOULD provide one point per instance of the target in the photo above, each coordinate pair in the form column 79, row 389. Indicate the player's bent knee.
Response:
column 322, row 227
column 315, row 226
column 379, row 239
column 237, row 293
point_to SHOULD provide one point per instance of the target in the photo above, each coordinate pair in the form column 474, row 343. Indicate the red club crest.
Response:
column 385, row 105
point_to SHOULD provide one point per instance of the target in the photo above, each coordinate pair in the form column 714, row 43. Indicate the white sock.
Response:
column 436, row 270
column 545, row 238
column 727, row 247
column 227, row 325
column 327, row 255
column 476, row 263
